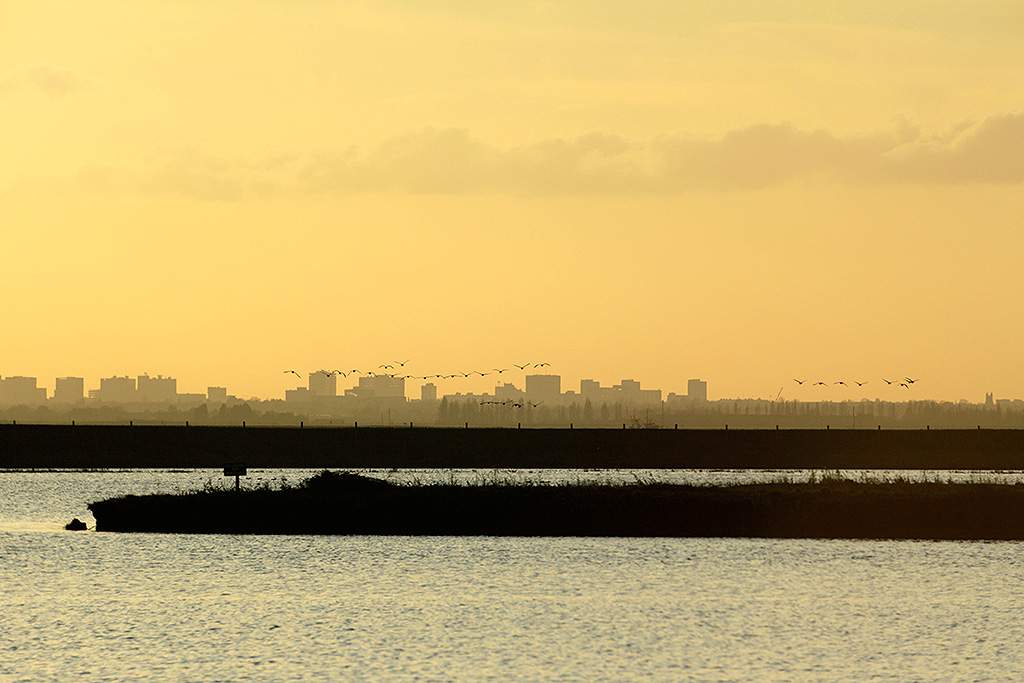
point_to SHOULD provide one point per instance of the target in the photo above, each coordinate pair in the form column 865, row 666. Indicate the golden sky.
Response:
column 742, row 191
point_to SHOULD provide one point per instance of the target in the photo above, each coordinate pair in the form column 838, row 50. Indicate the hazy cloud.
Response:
column 452, row 161
column 44, row 79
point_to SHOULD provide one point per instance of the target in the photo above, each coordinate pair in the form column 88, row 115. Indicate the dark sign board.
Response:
column 234, row 470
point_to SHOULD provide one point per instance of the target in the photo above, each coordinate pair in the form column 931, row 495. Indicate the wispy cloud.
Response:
column 452, row 161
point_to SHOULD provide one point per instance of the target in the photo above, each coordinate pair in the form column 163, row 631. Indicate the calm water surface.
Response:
column 111, row 607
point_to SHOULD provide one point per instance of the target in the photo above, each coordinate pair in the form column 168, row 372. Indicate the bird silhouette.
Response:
column 910, row 381
column 888, row 381
column 904, row 385
column 293, row 372
column 341, row 372
column 536, row 405
column 323, row 372
column 521, row 367
column 386, row 366
column 819, row 384
column 840, row 382
column 482, row 374
column 400, row 363
column 499, row 370
column 542, row 365
column 859, row 384
column 799, row 381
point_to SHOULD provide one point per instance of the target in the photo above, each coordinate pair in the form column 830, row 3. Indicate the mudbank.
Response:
column 333, row 503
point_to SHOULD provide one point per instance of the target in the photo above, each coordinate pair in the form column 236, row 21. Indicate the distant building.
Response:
column 69, row 390
column 590, row 388
column 297, row 395
column 117, row 390
column 428, row 392
column 380, row 386
column 508, row 392
column 216, row 394
column 19, row 391
column 157, row 389
column 547, row 388
column 323, row 383
column 697, row 391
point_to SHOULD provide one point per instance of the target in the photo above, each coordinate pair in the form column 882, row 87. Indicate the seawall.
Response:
column 89, row 446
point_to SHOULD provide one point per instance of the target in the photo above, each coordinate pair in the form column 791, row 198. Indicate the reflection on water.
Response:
column 113, row 607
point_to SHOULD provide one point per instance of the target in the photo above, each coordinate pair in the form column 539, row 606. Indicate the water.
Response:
column 113, row 607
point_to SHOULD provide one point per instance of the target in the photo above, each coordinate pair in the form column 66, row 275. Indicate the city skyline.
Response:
column 145, row 388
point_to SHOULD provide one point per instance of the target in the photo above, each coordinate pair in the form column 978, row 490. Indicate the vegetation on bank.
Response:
column 826, row 507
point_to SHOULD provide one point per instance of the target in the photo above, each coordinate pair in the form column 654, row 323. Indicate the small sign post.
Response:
column 235, row 470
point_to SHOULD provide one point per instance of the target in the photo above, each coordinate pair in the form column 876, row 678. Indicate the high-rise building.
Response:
column 19, row 391
column 117, row 390
column 508, row 392
column 380, row 386
column 323, row 383
column 590, row 388
column 697, row 390
column 69, row 390
column 547, row 388
column 428, row 392
column 157, row 389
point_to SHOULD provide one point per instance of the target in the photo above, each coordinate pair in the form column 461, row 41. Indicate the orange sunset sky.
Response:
column 742, row 191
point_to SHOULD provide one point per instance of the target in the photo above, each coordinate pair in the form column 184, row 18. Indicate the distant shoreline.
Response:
column 91, row 447
column 346, row 504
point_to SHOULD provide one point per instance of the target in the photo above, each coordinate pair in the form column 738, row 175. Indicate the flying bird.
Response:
column 840, row 382
column 910, row 381
column 536, row 405
column 542, row 365
column 859, row 384
column 904, row 385
column 819, row 384
column 400, row 363
column 482, row 374
column 293, row 372
column 499, row 370
column 799, row 381
column 888, row 381
column 521, row 367
column 386, row 366
column 341, row 372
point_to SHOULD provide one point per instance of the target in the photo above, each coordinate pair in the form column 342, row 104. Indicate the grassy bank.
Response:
column 827, row 507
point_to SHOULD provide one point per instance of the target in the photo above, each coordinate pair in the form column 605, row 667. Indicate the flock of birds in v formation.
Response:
column 906, row 383
column 393, row 365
